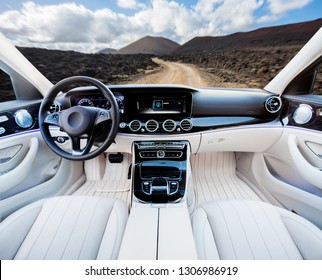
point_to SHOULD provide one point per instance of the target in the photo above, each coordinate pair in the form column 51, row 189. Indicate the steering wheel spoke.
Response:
column 53, row 119
column 76, row 147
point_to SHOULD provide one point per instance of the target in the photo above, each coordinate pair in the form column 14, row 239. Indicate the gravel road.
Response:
column 174, row 73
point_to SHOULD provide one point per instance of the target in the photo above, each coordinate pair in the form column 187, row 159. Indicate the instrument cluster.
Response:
column 96, row 100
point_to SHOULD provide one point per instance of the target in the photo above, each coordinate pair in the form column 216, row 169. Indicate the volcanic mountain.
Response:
column 150, row 45
column 107, row 51
column 284, row 35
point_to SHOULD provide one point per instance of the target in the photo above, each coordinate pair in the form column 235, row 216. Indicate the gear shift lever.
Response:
column 160, row 189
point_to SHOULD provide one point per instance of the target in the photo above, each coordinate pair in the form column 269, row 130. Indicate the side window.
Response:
column 6, row 89
column 317, row 87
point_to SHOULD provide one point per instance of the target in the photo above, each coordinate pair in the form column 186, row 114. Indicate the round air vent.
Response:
column 135, row 125
column 186, row 124
column 151, row 125
column 273, row 104
column 169, row 125
column 55, row 107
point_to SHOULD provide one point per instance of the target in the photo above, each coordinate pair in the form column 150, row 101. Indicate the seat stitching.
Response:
column 70, row 236
column 263, row 239
column 43, row 226
column 219, row 253
column 4, row 229
column 89, row 226
column 213, row 235
column 264, row 210
column 241, row 224
column 63, row 217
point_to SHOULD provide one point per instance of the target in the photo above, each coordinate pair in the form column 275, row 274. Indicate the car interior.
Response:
column 161, row 172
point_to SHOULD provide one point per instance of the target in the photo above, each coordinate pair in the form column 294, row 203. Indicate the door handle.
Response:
column 309, row 172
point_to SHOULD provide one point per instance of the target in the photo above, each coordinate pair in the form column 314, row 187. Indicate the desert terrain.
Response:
column 249, row 59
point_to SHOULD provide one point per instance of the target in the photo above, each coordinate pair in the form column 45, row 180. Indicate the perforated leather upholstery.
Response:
column 240, row 229
column 67, row 227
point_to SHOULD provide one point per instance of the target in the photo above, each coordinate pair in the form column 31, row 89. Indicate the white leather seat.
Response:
column 67, row 227
column 239, row 229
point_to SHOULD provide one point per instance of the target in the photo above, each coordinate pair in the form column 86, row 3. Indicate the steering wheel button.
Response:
column 60, row 139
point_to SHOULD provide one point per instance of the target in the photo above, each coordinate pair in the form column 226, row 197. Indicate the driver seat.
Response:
column 66, row 227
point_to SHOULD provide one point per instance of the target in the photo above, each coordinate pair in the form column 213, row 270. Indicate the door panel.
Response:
column 29, row 170
column 14, row 168
column 299, row 169
column 289, row 172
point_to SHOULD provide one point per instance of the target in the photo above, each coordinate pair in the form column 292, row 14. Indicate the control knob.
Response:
column 23, row 118
column 160, row 154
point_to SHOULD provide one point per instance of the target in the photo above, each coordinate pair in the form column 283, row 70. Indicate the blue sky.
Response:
column 92, row 25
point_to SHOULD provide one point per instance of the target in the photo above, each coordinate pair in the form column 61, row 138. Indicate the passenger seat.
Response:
column 247, row 230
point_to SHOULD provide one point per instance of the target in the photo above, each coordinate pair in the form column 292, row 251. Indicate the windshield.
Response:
column 195, row 43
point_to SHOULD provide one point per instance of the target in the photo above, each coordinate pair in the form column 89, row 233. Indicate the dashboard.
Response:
column 159, row 109
column 177, row 109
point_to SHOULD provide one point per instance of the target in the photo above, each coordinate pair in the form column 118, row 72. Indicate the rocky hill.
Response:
column 252, row 58
column 150, row 45
column 57, row 65
column 276, row 36
column 107, row 51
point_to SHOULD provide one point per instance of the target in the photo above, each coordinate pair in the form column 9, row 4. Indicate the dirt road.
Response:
column 174, row 73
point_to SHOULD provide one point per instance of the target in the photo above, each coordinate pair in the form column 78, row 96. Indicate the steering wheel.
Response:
column 79, row 122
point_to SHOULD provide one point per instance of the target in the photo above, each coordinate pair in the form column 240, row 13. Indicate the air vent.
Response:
column 273, row 104
column 151, row 125
column 169, row 125
column 135, row 125
column 55, row 107
column 186, row 124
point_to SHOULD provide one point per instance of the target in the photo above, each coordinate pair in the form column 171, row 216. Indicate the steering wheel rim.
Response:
column 78, row 120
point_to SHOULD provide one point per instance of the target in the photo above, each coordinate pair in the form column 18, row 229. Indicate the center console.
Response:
column 159, row 217
column 160, row 171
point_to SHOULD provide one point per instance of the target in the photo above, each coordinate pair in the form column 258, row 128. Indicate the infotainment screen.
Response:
column 162, row 104
column 158, row 104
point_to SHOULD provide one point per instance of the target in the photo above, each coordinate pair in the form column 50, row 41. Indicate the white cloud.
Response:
column 279, row 8
column 73, row 26
column 284, row 6
column 64, row 25
column 226, row 16
column 127, row 4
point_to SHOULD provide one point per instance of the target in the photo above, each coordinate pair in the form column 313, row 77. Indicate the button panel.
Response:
column 161, row 154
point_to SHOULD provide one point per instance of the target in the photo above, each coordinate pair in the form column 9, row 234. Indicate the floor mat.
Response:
column 214, row 177
column 114, row 184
